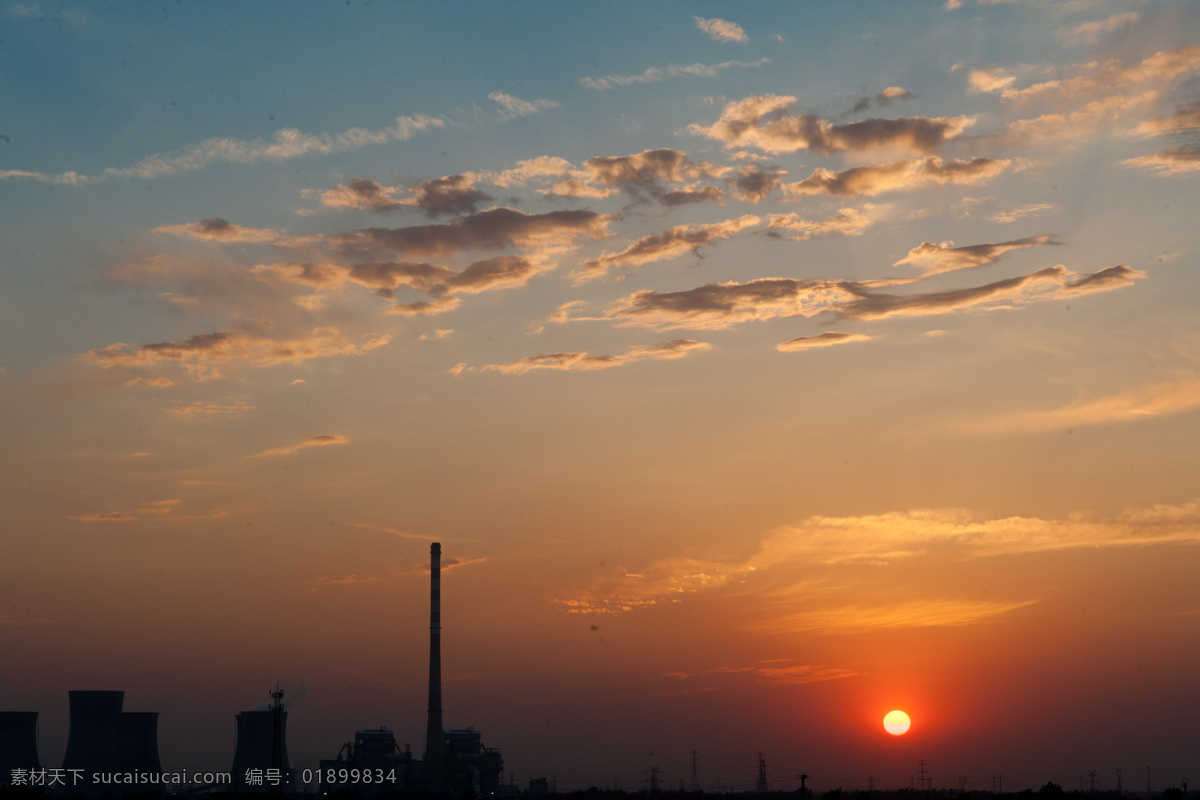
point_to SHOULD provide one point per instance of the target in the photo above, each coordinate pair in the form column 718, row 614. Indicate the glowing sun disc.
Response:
column 896, row 722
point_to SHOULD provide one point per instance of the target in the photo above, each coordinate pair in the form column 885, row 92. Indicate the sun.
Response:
column 896, row 722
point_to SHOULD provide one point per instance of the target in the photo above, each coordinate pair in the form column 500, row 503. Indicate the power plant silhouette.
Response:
column 104, row 739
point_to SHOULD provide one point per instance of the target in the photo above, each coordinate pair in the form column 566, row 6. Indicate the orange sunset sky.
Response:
column 760, row 368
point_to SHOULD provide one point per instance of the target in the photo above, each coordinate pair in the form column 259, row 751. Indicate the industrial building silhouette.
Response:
column 103, row 738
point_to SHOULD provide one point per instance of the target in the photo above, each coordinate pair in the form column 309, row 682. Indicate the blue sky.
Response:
column 870, row 323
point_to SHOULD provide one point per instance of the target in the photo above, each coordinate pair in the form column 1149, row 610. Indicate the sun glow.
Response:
column 896, row 722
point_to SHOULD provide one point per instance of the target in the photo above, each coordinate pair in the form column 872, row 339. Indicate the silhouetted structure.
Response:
column 455, row 763
column 262, row 746
column 105, row 739
column 375, row 750
column 434, row 756
column 18, row 743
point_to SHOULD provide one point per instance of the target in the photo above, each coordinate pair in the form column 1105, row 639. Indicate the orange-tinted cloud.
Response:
column 108, row 516
column 200, row 354
column 1131, row 405
column 663, row 246
column 722, row 305
column 896, row 176
column 1172, row 161
column 493, row 229
column 824, row 340
column 676, row 348
column 763, row 122
column 211, row 408
column 363, row 194
column 846, row 222
column 222, row 230
column 320, row 440
column 934, row 259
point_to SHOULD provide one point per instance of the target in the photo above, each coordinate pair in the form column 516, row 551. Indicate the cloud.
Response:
column 1171, row 162
column 1104, row 79
column 492, row 229
column 284, row 145
column 860, row 618
column 663, row 246
column 1021, row 212
column 1131, row 405
column 1052, row 282
column 824, row 340
column 156, row 382
column 762, row 122
column 875, row 179
column 656, row 74
column 722, row 305
column 386, row 278
column 211, row 408
column 320, row 440
column 109, row 516
column 222, row 230
column 989, row 80
column 1185, row 119
column 754, row 184
column 158, row 506
column 882, row 99
column 945, row 257
column 722, row 30
column 513, row 107
column 362, row 194
column 777, row 672
column 676, row 348
column 453, row 194
column 1090, row 33
column 784, row 560
column 846, row 222
column 648, row 166
column 200, row 355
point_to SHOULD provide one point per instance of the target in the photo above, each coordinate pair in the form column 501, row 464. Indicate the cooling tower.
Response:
column 137, row 742
column 92, row 742
column 434, row 757
column 255, row 742
column 18, row 742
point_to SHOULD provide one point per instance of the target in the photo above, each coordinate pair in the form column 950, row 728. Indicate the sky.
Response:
column 760, row 368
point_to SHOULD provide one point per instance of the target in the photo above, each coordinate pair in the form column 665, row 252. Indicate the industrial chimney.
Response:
column 18, row 743
column 434, row 757
column 137, row 742
column 92, row 742
column 261, row 744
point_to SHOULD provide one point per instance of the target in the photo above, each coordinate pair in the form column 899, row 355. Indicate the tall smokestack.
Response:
column 434, row 759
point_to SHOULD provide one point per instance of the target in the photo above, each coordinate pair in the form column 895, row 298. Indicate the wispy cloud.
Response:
column 936, row 259
column 723, row 305
column 202, row 354
column 669, row 244
column 320, row 440
column 566, row 362
column 1131, row 405
column 824, row 340
column 512, row 107
column 656, row 74
column 284, row 145
column 1090, row 33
